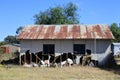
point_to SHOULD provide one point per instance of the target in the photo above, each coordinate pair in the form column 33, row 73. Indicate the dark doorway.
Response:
column 48, row 48
column 79, row 48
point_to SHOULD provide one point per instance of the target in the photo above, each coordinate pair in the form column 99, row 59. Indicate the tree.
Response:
column 58, row 15
column 19, row 29
column 11, row 39
column 116, row 32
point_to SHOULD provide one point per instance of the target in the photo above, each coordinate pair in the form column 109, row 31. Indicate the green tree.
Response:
column 58, row 15
column 19, row 29
column 11, row 39
column 116, row 32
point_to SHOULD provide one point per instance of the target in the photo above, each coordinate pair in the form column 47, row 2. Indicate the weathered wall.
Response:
column 103, row 47
column 12, row 48
column 116, row 48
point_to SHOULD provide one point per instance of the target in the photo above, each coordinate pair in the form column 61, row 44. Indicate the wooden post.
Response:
column 25, row 58
column 67, row 56
column 36, row 58
column 42, row 56
column 61, row 60
column 30, row 58
column 20, row 59
column 95, row 50
column 54, row 58
column 73, row 58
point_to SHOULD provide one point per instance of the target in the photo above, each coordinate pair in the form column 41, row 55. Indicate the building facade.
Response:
column 58, row 39
column 116, row 49
column 10, row 48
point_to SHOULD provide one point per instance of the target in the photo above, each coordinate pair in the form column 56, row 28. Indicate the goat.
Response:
column 27, row 65
column 47, row 63
column 70, row 61
column 34, row 64
column 44, row 63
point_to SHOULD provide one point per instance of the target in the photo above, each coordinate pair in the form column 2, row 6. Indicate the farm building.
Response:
column 10, row 48
column 58, row 39
column 116, row 48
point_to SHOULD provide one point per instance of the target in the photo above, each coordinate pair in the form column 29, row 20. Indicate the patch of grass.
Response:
column 65, row 73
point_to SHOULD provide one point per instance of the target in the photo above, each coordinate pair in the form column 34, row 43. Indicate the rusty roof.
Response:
column 66, row 32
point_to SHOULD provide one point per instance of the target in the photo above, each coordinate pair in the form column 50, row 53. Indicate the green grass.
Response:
column 65, row 73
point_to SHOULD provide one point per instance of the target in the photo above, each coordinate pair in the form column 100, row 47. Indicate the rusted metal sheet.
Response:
column 83, row 32
column 66, row 32
column 76, row 32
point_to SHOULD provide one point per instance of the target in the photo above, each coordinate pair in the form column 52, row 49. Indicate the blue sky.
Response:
column 15, row 13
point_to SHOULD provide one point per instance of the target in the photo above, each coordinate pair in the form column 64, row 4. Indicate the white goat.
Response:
column 63, row 63
column 69, row 61
column 27, row 65
column 45, row 63
column 34, row 64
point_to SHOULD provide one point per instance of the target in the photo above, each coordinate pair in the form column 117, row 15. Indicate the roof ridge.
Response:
column 63, row 25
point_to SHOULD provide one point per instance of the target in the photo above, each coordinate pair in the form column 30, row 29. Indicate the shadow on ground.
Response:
column 114, row 69
column 111, row 64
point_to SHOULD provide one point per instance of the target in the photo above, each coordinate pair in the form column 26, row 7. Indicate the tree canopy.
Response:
column 116, row 32
column 58, row 15
column 19, row 29
column 11, row 39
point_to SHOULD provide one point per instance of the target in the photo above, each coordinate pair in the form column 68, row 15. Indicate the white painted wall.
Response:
column 116, row 48
column 103, row 47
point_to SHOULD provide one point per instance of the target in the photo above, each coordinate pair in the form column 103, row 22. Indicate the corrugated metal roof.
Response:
column 66, row 32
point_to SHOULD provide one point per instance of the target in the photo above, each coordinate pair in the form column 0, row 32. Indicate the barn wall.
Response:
column 103, row 47
column 25, row 45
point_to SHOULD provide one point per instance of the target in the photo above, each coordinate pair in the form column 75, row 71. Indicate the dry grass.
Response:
column 117, row 59
column 65, row 73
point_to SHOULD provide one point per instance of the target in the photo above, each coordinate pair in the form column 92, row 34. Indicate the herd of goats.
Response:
column 40, row 60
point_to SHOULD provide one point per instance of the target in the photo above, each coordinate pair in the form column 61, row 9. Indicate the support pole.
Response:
column 30, row 58
column 36, row 59
column 20, row 59
column 42, row 56
column 25, row 58
column 95, row 45
column 61, row 60
column 95, row 50
column 67, row 56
